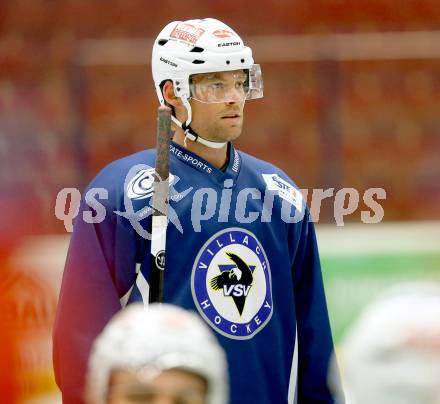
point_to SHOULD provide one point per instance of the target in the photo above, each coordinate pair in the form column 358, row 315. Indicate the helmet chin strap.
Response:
column 189, row 132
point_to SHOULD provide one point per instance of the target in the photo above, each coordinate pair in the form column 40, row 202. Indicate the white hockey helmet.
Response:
column 391, row 354
column 184, row 48
column 157, row 337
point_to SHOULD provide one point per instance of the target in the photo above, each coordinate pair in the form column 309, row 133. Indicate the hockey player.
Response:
column 162, row 354
column 241, row 250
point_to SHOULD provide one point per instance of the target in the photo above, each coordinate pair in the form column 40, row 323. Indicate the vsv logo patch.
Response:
column 231, row 284
column 236, row 280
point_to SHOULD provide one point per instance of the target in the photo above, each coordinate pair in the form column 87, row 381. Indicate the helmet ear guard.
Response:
column 181, row 87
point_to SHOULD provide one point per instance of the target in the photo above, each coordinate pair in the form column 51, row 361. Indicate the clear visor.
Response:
column 229, row 86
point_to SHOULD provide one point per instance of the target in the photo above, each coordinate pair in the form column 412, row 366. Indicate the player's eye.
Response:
column 217, row 86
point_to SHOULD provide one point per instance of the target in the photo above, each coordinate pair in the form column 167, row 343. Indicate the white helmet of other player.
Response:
column 159, row 337
column 392, row 353
column 184, row 48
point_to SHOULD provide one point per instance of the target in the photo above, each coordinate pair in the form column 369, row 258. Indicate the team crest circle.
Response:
column 231, row 284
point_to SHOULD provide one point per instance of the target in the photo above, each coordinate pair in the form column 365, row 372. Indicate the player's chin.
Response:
column 233, row 131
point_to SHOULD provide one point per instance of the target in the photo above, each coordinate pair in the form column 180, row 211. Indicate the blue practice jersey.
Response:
column 240, row 250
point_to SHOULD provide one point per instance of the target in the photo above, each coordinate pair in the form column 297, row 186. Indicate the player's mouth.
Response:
column 231, row 116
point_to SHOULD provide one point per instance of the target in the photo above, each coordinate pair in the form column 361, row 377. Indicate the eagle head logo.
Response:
column 235, row 280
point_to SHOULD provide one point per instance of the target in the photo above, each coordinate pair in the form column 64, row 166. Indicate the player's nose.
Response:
column 235, row 95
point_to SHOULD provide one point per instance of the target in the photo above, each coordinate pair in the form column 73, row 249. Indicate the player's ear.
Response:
column 169, row 96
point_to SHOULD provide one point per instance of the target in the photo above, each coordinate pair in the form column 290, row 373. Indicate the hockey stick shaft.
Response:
column 160, row 204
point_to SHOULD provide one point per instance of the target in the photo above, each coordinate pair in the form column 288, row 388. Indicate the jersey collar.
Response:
column 198, row 163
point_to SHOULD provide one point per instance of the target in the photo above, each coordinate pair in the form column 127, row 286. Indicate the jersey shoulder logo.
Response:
column 231, row 284
column 141, row 185
column 285, row 190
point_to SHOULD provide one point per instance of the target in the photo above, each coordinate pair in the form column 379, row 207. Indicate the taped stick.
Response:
column 160, row 204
